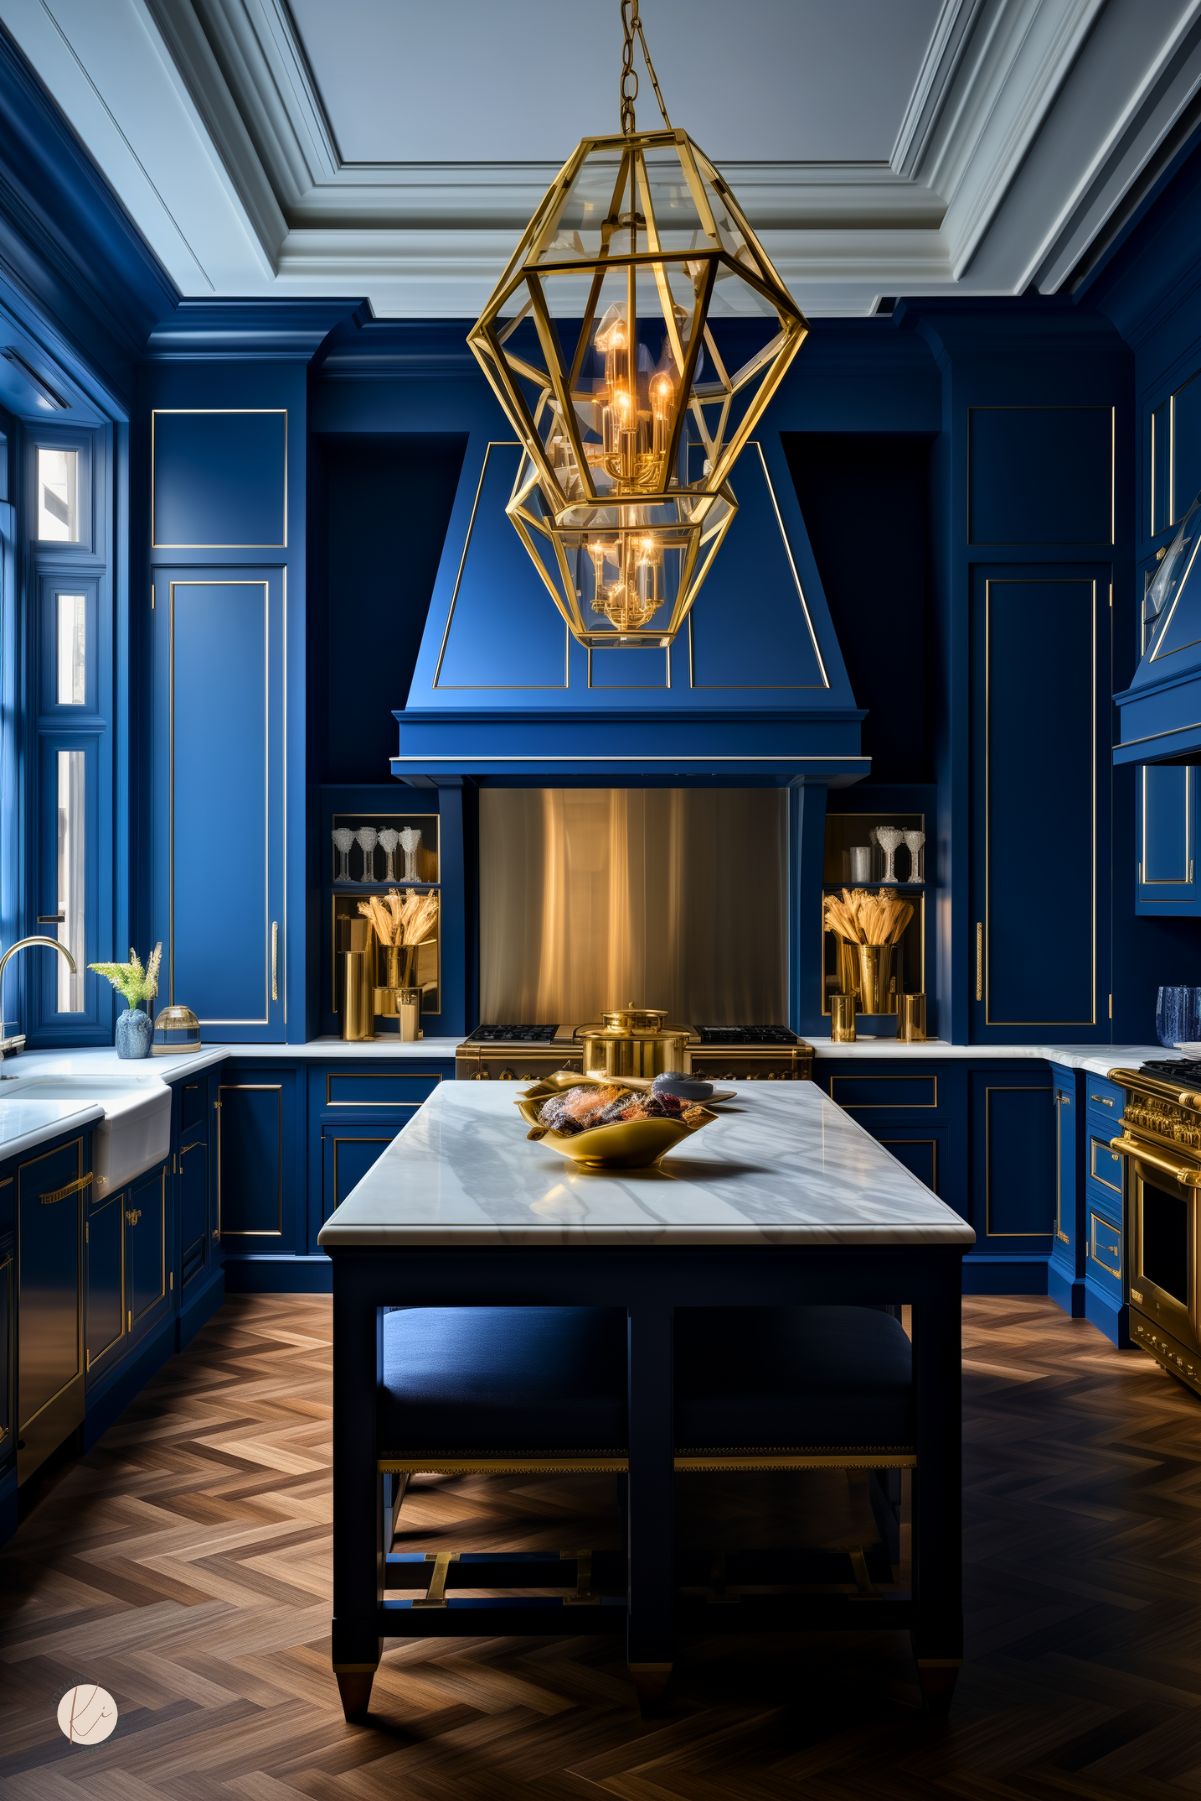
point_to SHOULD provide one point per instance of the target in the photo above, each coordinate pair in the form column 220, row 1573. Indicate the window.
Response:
column 72, row 648
column 57, row 495
column 72, row 825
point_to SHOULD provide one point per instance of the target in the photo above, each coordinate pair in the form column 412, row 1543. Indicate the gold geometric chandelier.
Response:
column 634, row 340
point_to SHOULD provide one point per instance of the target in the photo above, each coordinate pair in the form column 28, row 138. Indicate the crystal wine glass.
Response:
column 889, row 838
column 388, row 841
column 343, row 838
column 913, row 844
column 368, row 838
column 410, row 844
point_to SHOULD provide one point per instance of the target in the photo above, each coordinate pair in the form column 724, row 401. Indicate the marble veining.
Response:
column 781, row 1164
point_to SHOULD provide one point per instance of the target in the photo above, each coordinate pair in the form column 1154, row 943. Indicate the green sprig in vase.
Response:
column 135, row 982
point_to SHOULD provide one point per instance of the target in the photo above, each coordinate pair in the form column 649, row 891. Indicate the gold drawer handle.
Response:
column 1101, row 1099
column 60, row 1194
column 1129, row 1147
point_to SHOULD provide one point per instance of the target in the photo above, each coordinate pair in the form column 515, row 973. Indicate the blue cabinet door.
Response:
column 7, row 1360
column 218, row 799
column 347, row 1153
column 1065, row 1247
column 1165, row 803
column 195, row 1231
column 105, row 1329
column 147, row 1253
column 1040, row 788
column 260, row 1161
column 1013, row 1163
column 51, row 1186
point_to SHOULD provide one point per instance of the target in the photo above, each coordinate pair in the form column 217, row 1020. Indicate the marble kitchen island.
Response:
column 783, row 1200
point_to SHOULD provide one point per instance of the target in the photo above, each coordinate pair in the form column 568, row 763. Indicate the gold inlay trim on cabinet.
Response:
column 227, row 412
column 933, row 1143
column 755, row 445
column 1115, row 1249
column 1168, row 881
column 91, row 1358
column 375, row 1075
column 990, row 1090
column 1073, row 581
column 222, row 581
column 505, row 687
column 1114, row 1187
column 886, row 1106
column 275, row 1088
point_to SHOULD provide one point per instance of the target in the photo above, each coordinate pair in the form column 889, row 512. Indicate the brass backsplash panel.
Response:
column 670, row 897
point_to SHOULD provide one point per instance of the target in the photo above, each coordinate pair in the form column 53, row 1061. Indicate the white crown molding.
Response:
column 1029, row 124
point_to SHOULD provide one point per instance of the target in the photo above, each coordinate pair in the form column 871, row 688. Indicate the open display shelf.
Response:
column 845, row 832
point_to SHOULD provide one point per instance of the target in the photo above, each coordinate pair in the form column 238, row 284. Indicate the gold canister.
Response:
column 408, row 1008
column 358, row 1022
column 876, row 986
column 634, row 1041
column 911, row 1018
column 842, row 1018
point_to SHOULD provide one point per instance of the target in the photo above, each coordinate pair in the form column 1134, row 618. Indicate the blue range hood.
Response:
column 752, row 691
column 1160, row 712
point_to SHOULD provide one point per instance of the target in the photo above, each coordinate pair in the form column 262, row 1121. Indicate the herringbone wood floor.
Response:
column 184, row 1564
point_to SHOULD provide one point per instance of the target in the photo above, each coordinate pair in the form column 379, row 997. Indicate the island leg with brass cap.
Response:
column 651, row 1534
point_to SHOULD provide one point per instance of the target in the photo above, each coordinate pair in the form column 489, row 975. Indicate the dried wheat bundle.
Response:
column 863, row 917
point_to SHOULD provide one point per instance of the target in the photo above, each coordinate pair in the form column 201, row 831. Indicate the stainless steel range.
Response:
column 1160, row 1143
column 513, row 1053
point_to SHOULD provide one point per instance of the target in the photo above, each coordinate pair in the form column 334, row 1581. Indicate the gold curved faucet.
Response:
column 15, row 1042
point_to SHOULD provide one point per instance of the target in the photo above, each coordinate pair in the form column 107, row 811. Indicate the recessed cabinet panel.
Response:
column 1038, row 944
column 1065, row 1247
column 1014, row 1161
column 194, row 1229
column 50, row 1299
column 1184, row 446
column 146, row 1260
column 219, row 797
column 106, row 1282
column 1040, row 474
column 1165, row 798
column 219, row 479
column 260, row 1182
column 919, row 1155
column 347, row 1154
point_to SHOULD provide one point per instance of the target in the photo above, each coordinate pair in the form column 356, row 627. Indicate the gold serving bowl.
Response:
column 628, row 1144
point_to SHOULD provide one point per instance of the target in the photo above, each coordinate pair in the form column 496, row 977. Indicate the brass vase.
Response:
column 876, row 985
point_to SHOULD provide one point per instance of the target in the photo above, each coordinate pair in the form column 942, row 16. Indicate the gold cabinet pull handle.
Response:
column 1130, row 1147
column 275, row 959
column 60, row 1194
column 979, row 959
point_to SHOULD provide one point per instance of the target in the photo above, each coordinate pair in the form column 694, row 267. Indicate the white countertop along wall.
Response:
column 781, row 1164
column 1097, row 1059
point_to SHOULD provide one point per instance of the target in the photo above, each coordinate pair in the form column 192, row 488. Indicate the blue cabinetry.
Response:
column 1103, row 1212
column 260, row 1161
column 1040, row 802
column 218, row 796
column 355, row 1111
column 51, row 1191
column 1064, row 1271
column 1165, row 801
column 914, row 1110
column 1013, row 1168
column 104, row 1232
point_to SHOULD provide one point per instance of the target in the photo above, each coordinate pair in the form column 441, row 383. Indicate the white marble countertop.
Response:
column 26, row 1124
column 1097, row 1059
column 781, row 1164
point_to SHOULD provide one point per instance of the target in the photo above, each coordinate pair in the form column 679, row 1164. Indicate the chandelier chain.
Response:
column 631, row 27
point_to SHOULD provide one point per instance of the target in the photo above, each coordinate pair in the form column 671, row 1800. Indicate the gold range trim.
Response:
column 498, row 687
column 1044, row 581
column 224, row 412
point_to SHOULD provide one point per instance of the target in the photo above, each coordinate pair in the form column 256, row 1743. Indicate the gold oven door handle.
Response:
column 1182, row 1173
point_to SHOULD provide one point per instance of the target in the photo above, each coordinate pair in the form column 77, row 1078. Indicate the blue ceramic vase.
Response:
column 134, row 1032
column 1178, row 1016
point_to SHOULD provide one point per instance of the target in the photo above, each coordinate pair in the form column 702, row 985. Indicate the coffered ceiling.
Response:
column 393, row 149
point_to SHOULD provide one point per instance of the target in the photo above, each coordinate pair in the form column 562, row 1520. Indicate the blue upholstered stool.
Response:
column 516, row 1388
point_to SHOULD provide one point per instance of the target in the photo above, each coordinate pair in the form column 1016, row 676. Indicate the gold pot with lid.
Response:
column 634, row 1041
